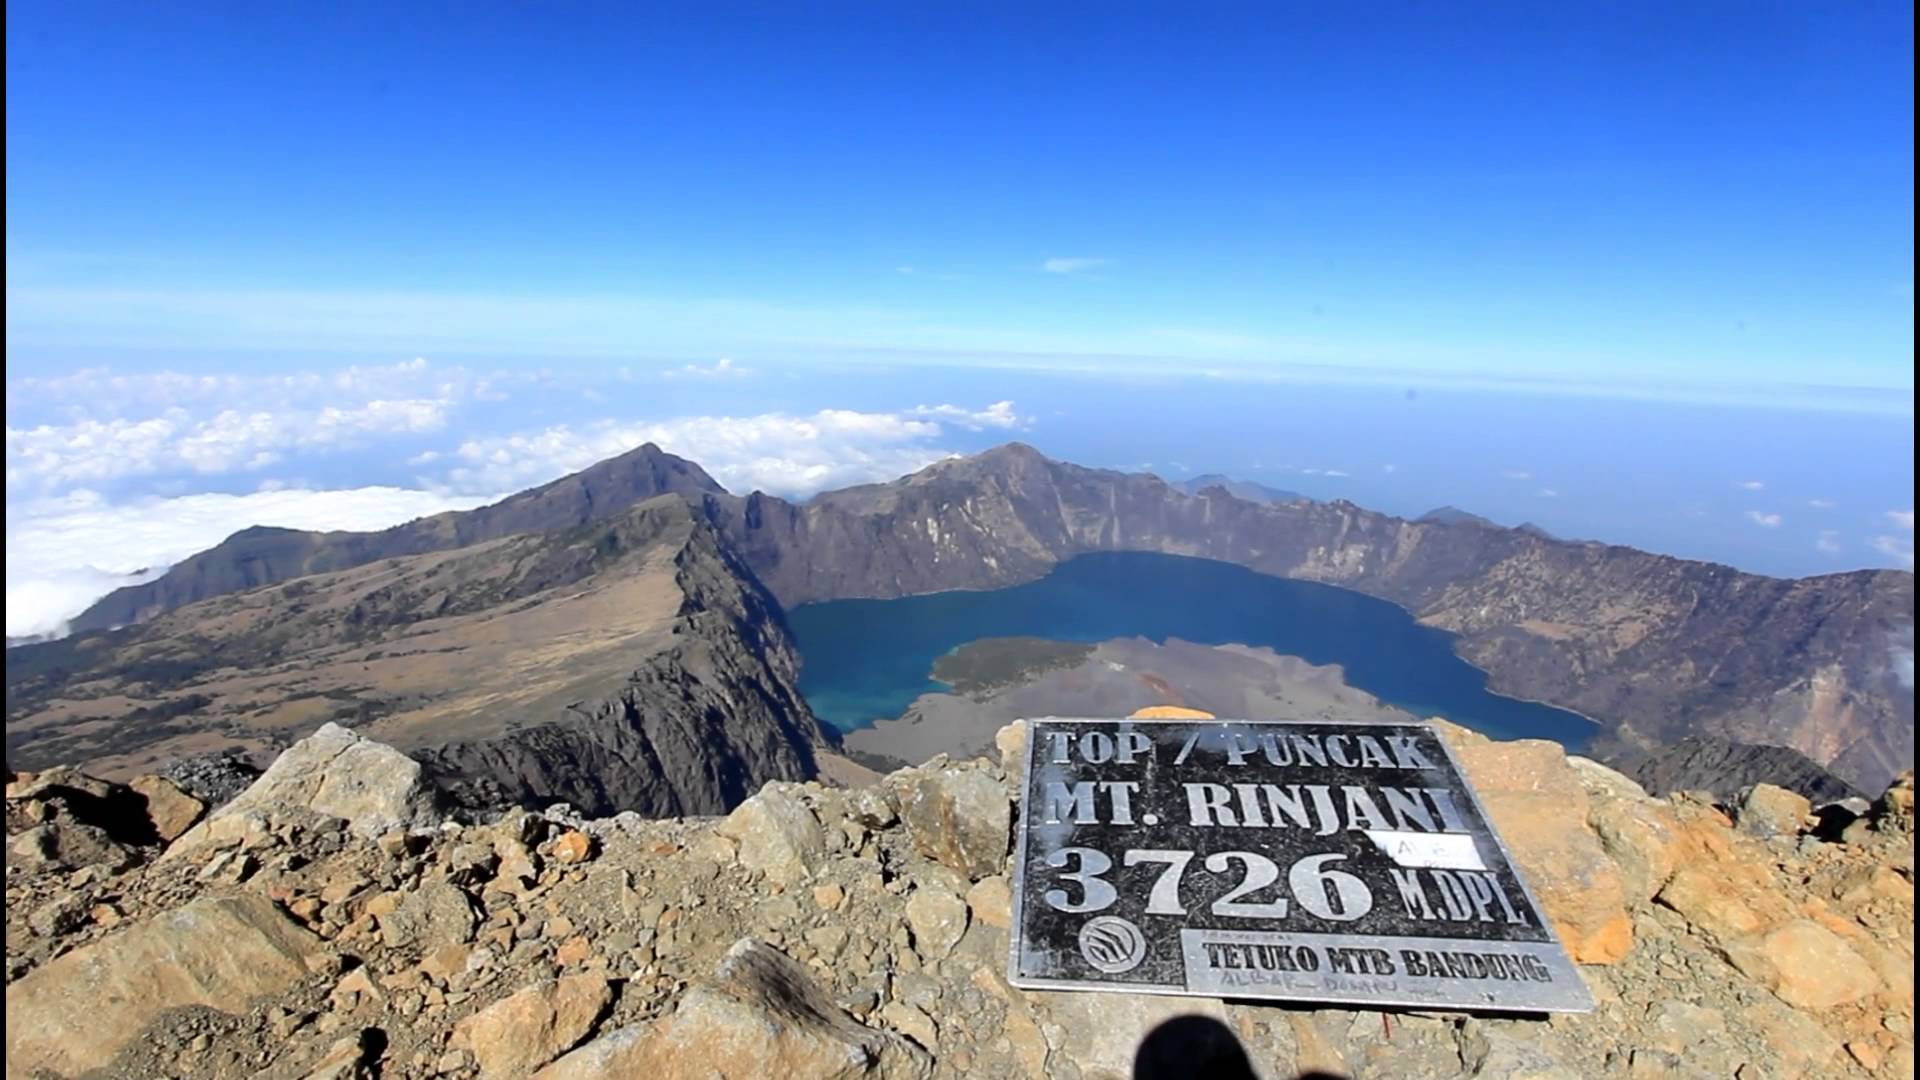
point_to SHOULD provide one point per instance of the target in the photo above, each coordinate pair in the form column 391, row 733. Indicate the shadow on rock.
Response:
column 1188, row 1047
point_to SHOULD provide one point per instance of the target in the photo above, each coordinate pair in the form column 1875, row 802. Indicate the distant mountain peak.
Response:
column 1239, row 489
column 1453, row 515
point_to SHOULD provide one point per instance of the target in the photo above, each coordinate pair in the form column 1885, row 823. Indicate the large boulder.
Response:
column 521, row 1032
column 1808, row 965
column 333, row 773
column 759, row 1016
column 78, row 1011
column 1766, row 811
column 777, row 834
column 66, row 845
column 959, row 817
column 170, row 810
column 1539, row 806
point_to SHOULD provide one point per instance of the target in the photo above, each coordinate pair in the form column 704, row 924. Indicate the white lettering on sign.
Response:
column 1311, row 861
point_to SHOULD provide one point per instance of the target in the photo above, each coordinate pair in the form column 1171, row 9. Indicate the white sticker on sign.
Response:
column 1429, row 851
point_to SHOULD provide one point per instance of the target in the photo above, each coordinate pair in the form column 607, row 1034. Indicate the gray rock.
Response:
column 519, row 1033
column 777, row 834
column 471, row 864
column 334, row 773
column 937, row 918
column 431, row 916
column 959, row 817
column 75, row 1013
column 760, row 1015
column 61, row 915
column 1766, row 811
column 67, row 845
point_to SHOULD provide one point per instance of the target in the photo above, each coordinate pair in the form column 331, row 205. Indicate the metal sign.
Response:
column 1325, row 862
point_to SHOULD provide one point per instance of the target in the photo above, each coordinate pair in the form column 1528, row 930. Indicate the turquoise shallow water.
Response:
column 866, row 660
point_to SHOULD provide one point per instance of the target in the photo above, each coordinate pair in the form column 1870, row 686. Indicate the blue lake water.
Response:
column 866, row 660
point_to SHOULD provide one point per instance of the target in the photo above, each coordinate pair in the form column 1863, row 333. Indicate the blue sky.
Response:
column 1551, row 224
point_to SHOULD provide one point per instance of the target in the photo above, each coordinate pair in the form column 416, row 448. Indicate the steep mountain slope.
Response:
column 631, row 663
column 1697, row 763
column 1654, row 647
column 264, row 556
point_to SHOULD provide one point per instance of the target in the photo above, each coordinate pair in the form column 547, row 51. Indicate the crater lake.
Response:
column 866, row 660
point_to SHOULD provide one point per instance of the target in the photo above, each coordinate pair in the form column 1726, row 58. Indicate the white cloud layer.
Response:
column 1897, row 548
column 1828, row 542
column 64, row 553
column 1000, row 414
column 114, row 426
column 773, row 452
column 96, row 451
column 1765, row 520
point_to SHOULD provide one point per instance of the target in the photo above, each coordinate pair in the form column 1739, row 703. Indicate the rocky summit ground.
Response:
column 330, row 923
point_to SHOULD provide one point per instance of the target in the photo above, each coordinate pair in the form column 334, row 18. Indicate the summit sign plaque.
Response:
column 1325, row 862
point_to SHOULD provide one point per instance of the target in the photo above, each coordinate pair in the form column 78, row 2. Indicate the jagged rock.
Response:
column 60, row 915
column 518, row 864
column 991, row 902
column 349, row 1058
column 1766, row 811
column 333, row 773
column 1808, row 965
column 61, row 780
column 912, row 1021
column 471, row 864
column 434, row 915
column 170, row 810
column 1641, row 836
column 518, row 1034
column 759, row 1016
column 1710, row 902
column 777, row 834
column 872, row 807
column 1011, row 741
column 67, row 845
column 76, row 1012
column 937, row 918
column 1540, row 809
column 1893, row 810
column 959, row 817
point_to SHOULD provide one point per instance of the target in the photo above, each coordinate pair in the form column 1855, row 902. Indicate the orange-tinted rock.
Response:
column 1539, row 807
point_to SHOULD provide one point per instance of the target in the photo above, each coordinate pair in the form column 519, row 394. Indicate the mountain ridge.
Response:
column 264, row 555
column 628, row 663
column 1653, row 647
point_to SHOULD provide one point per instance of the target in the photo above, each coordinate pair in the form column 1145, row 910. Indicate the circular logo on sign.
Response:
column 1112, row 944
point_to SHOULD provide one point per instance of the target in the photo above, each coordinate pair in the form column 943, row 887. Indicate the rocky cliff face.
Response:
column 1725, row 768
column 696, row 727
column 629, row 663
column 322, row 927
column 1655, row 648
